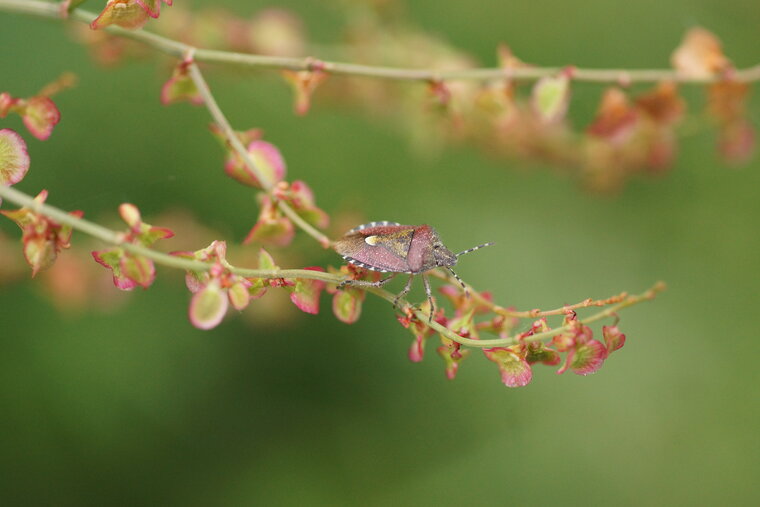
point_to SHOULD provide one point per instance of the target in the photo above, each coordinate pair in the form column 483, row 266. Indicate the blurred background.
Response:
column 112, row 398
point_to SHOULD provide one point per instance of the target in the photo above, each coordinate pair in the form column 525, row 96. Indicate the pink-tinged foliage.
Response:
column 421, row 334
column 216, row 282
column 181, row 87
column 728, row 106
column 268, row 160
column 347, row 304
column 464, row 325
column 306, row 293
column 239, row 295
column 153, row 7
column 613, row 338
column 452, row 355
column 588, row 357
column 300, row 196
column 233, row 164
column 39, row 113
column 271, row 227
column 585, row 357
column 132, row 270
column 515, row 370
column 736, row 142
column 129, row 14
column 139, row 269
column 662, row 104
column 417, row 348
column 304, row 83
column 43, row 238
column 41, row 116
column 616, row 119
column 419, row 329
column 208, row 306
column 14, row 157
column 540, row 353
column 111, row 259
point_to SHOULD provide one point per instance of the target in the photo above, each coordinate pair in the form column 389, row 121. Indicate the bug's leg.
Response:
column 464, row 287
column 365, row 283
column 429, row 294
column 404, row 292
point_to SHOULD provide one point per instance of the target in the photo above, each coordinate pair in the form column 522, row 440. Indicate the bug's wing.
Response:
column 380, row 248
column 382, row 223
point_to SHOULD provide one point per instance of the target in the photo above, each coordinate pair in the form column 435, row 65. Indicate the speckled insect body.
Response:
column 389, row 247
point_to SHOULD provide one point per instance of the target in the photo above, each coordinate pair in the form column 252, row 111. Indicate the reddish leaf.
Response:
column 272, row 227
column 41, row 116
column 615, row 119
column 304, row 82
column 586, row 358
column 268, row 161
column 181, row 87
column 452, row 356
column 14, row 157
column 139, row 269
column 208, row 306
column 129, row 14
column 111, row 259
column 306, row 293
column 662, row 104
column 613, row 338
column 515, row 370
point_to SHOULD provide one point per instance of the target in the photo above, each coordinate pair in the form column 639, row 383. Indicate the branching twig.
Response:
column 114, row 238
column 232, row 138
column 179, row 49
column 530, row 314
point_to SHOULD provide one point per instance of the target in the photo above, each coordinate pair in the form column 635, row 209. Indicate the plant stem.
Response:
column 108, row 236
column 178, row 49
column 112, row 237
column 232, row 138
column 528, row 314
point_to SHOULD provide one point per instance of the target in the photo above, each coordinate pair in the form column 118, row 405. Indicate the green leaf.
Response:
column 208, row 306
column 551, row 96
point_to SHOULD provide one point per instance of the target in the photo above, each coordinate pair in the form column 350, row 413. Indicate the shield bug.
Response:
column 389, row 247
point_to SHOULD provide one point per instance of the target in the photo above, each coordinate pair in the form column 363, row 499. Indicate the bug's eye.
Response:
column 436, row 246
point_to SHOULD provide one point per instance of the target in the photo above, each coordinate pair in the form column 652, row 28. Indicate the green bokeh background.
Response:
column 138, row 408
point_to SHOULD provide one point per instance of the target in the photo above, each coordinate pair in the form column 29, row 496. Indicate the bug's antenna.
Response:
column 472, row 250
column 466, row 292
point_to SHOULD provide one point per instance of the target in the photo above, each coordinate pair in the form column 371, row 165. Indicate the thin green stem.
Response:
column 115, row 238
column 232, row 138
column 178, row 49
column 112, row 237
